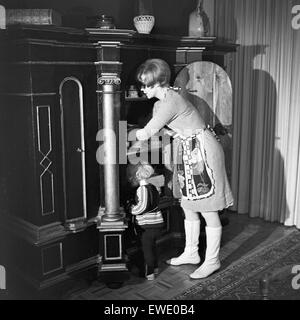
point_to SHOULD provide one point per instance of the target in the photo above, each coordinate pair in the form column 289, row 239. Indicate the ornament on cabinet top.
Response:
column 105, row 22
column 144, row 19
column 199, row 24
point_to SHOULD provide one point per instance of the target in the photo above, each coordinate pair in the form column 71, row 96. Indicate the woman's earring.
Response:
column 165, row 95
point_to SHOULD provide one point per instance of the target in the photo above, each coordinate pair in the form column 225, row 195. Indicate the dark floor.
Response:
column 241, row 235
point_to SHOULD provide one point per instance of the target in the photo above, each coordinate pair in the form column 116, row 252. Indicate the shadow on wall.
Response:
column 258, row 179
column 267, row 193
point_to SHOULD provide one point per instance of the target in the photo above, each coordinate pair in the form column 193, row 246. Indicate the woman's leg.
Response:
column 212, row 219
column 213, row 240
column 191, row 215
column 190, row 254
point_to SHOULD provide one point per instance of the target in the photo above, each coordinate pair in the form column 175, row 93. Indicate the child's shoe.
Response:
column 150, row 276
column 150, row 273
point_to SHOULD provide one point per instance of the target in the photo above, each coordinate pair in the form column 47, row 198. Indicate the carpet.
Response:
column 241, row 280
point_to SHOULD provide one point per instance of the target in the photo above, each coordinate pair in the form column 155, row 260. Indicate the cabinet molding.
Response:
column 35, row 235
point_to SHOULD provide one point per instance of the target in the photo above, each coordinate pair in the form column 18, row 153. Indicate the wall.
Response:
column 171, row 15
column 265, row 73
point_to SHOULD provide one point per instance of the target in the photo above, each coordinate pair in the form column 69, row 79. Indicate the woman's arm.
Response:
column 162, row 115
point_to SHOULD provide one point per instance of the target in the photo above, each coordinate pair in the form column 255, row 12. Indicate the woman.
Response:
column 200, row 165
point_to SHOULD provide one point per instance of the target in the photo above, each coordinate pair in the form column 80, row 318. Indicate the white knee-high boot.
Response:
column 190, row 254
column 212, row 261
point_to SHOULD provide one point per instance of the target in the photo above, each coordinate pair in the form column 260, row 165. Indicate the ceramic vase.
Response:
column 199, row 25
column 144, row 19
column 144, row 23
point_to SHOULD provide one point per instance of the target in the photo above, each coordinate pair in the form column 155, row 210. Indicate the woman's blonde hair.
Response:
column 154, row 71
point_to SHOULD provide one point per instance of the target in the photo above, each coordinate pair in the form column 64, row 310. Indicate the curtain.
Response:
column 265, row 74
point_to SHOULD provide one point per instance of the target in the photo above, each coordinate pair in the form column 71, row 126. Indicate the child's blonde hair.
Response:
column 140, row 171
column 144, row 171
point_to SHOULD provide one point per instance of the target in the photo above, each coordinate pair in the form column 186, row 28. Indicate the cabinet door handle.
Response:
column 80, row 150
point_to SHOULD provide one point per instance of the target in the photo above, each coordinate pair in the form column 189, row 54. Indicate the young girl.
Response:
column 148, row 217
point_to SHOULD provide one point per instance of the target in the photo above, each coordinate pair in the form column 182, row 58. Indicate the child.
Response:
column 148, row 217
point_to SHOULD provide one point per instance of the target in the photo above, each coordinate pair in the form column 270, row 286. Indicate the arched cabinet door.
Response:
column 207, row 86
column 73, row 155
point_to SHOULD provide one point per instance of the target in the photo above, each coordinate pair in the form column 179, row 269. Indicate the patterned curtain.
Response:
column 265, row 74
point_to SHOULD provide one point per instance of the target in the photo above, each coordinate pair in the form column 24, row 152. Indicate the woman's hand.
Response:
column 170, row 133
column 131, row 136
column 138, row 146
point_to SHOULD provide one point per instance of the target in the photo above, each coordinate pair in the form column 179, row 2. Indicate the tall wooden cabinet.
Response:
column 61, row 212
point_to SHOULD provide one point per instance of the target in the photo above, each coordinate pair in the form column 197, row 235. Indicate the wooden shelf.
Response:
column 136, row 99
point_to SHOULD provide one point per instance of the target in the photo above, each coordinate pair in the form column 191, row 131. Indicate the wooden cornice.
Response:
column 95, row 36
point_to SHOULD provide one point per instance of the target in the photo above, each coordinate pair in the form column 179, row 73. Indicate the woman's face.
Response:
column 149, row 91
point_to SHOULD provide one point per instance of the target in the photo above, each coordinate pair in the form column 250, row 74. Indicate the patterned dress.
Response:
column 201, row 173
column 200, row 163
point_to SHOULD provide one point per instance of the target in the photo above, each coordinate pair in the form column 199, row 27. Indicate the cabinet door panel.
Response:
column 72, row 130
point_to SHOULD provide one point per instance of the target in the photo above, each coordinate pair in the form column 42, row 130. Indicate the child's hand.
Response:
column 128, row 205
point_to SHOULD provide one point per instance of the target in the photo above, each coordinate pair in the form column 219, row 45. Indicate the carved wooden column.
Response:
column 112, row 223
column 110, row 113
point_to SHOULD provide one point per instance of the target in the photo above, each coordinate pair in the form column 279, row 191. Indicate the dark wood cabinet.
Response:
column 61, row 211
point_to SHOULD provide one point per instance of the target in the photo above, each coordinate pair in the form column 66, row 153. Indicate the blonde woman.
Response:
column 200, row 165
